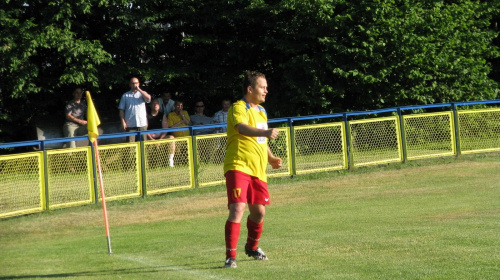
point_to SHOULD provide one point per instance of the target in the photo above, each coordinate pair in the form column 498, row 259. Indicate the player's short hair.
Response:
column 250, row 79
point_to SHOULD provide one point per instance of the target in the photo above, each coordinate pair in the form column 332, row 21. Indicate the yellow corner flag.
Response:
column 92, row 119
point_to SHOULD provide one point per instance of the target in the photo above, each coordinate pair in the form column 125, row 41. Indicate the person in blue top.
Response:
column 132, row 108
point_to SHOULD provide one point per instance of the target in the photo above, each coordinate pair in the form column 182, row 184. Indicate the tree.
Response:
column 40, row 55
column 320, row 56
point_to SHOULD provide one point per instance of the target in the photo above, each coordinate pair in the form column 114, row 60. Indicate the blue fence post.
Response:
column 456, row 128
column 403, row 134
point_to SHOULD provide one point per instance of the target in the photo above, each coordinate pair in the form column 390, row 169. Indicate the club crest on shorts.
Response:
column 237, row 192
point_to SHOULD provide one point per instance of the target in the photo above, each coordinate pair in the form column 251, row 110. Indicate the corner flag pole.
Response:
column 92, row 122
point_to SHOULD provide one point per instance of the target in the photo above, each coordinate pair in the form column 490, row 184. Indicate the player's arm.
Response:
column 274, row 161
column 251, row 131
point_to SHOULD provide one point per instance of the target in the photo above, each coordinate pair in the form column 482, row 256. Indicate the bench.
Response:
column 51, row 130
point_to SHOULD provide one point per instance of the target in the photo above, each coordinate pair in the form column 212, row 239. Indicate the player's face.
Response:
column 258, row 93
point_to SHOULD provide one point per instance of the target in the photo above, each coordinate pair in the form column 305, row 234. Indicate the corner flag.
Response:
column 92, row 123
column 92, row 119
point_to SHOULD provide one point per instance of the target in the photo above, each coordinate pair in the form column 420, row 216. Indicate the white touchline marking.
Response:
column 152, row 263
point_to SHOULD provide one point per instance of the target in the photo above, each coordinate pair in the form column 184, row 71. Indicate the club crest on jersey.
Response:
column 237, row 192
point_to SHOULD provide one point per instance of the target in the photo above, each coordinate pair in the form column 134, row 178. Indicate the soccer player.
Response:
column 245, row 164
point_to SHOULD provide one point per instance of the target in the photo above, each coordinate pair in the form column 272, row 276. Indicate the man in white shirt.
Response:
column 132, row 108
column 221, row 116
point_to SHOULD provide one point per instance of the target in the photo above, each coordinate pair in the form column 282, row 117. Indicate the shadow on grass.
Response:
column 130, row 271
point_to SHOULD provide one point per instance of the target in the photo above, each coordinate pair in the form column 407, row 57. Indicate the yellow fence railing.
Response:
column 70, row 177
column 429, row 135
column 320, row 147
column 161, row 176
column 479, row 130
column 37, row 181
column 22, row 184
column 375, row 141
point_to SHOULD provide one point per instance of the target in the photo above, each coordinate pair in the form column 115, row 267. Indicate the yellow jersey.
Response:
column 244, row 153
column 173, row 118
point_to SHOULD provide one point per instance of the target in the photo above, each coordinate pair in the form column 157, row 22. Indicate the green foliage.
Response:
column 319, row 56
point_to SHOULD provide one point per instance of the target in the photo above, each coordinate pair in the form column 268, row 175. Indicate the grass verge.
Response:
column 420, row 220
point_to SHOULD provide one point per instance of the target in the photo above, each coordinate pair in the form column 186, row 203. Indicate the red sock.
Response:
column 232, row 235
column 254, row 233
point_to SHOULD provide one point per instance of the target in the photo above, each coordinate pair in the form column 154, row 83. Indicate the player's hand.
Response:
column 273, row 133
column 275, row 162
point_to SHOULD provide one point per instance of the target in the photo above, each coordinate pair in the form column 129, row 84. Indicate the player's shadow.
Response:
column 130, row 271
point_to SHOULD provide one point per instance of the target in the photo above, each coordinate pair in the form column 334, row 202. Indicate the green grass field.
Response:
column 435, row 219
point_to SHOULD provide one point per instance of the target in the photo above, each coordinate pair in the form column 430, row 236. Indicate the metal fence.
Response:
column 49, row 179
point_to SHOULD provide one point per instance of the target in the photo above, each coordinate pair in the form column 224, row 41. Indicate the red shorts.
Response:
column 242, row 187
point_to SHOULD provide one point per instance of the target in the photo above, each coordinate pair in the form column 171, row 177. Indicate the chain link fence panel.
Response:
column 121, row 170
column 319, row 147
column 479, row 130
column 69, row 173
column 168, row 165
column 21, row 184
column 375, row 141
column 211, row 150
column 429, row 135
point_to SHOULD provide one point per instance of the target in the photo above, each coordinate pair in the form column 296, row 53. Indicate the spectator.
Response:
column 177, row 118
column 133, row 109
column 199, row 118
column 166, row 103
column 221, row 116
column 155, row 119
column 75, row 112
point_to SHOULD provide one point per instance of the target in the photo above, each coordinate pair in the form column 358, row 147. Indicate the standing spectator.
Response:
column 133, row 109
column 166, row 103
column 245, row 165
column 177, row 118
column 199, row 118
column 221, row 116
column 75, row 112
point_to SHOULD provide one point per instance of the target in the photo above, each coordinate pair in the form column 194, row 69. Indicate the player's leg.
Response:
column 237, row 186
column 258, row 199
column 255, row 223
column 232, row 231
